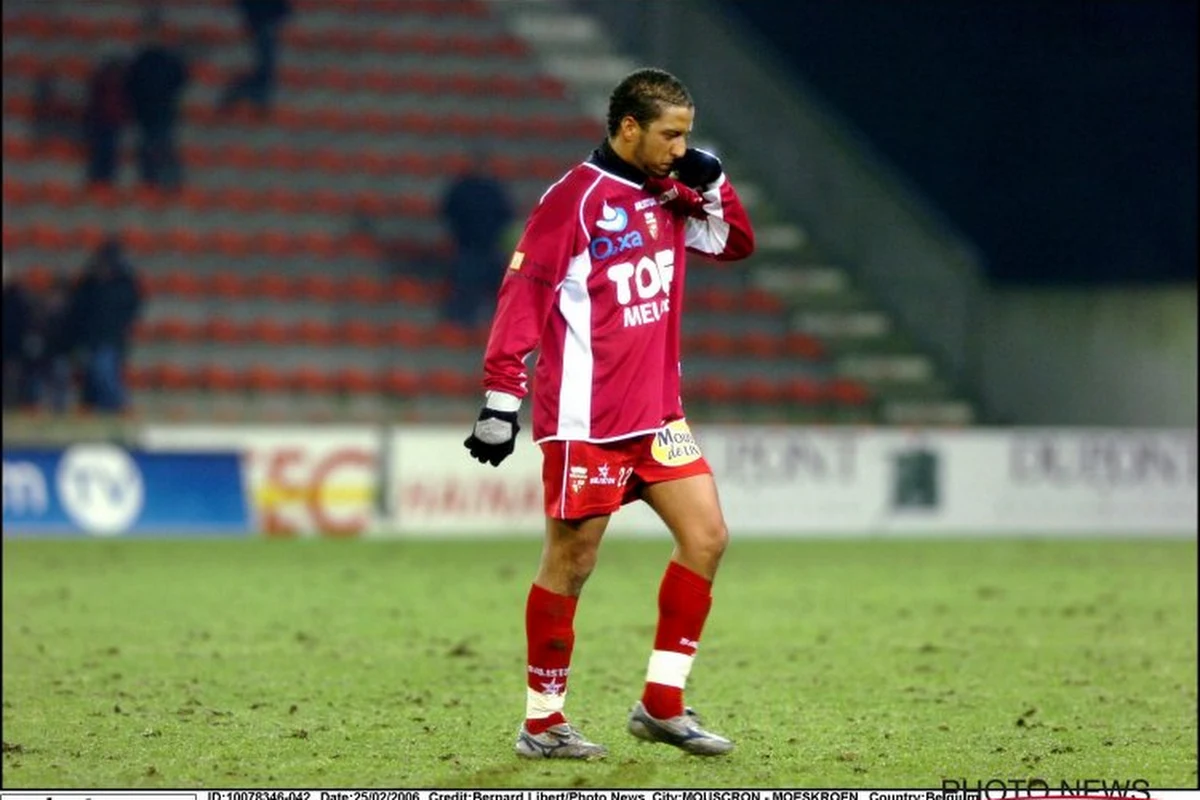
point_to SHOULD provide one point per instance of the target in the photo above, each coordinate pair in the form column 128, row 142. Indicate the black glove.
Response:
column 697, row 168
column 494, row 436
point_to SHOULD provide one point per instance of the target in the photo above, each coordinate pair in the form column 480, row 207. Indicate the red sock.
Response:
column 549, row 638
column 684, row 599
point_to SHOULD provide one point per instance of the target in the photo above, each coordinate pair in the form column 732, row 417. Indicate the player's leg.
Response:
column 577, row 513
column 691, row 511
column 568, row 557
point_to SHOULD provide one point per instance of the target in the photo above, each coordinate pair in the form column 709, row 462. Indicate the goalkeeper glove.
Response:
column 697, row 168
column 495, row 433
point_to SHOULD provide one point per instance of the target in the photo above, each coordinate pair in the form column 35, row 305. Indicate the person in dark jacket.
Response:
column 262, row 20
column 477, row 210
column 155, row 83
column 16, row 324
column 103, row 310
column 105, row 114
column 49, row 344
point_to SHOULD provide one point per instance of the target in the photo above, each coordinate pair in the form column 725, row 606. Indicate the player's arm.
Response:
column 718, row 225
column 527, row 296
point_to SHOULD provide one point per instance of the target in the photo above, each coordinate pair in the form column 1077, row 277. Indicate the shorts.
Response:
column 588, row 479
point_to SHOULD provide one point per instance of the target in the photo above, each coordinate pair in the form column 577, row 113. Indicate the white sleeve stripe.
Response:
column 583, row 202
column 709, row 235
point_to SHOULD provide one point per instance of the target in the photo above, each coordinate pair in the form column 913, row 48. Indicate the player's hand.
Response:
column 676, row 196
column 697, row 168
column 495, row 433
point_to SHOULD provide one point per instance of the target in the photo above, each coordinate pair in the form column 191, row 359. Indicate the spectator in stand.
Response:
column 106, row 113
column 102, row 312
column 155, row 84
column 262, row 20
column 16, row 323
column 478, row 211
column 48, row 347
column 52, row 115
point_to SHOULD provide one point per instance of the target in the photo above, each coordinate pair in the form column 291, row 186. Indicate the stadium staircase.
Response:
column 297, row 275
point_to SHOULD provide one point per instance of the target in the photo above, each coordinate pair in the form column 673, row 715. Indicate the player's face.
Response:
column 663, row 141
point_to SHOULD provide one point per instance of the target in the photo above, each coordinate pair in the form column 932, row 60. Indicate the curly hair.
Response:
column 643, row 95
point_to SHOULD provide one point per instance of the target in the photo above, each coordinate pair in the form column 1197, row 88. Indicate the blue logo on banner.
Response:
column 104, row 490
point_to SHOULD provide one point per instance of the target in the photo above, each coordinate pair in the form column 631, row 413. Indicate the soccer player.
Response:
column 596, row 282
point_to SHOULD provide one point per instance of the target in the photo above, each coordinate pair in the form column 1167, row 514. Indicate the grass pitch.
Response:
column 400, row 664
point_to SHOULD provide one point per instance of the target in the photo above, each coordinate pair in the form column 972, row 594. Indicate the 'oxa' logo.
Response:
column 603, row 247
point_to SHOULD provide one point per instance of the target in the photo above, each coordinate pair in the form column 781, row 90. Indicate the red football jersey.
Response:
column 597, row 283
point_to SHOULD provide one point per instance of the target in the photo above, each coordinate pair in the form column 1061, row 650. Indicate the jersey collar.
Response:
column 607, row 159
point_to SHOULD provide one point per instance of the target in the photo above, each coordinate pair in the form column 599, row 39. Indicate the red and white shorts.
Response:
column 588, row 479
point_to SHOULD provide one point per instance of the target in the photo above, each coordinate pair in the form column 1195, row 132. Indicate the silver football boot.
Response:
column 558, row 741
column 683, row 731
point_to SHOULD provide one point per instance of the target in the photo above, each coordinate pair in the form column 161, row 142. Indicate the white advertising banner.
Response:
column 302, row 480
column 843, row 481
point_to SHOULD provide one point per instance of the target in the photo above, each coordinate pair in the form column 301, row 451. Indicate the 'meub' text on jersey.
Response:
column 650, row 280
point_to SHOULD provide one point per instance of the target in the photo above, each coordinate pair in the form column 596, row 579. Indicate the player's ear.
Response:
column 630, row 128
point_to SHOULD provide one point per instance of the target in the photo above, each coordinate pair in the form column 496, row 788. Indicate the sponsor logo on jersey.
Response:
column 603, row 247
column 648, row 202
column 517, row 258
column 612, row 219
column 674, row 445
column 577, row 478
column 652, row 224
column 643, row 289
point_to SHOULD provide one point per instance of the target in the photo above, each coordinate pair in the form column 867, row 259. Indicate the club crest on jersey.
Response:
column 577, row 478
column 612, row 219
column 603, row 247
column 652, row 224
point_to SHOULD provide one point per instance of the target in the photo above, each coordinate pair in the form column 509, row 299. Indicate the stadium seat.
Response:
column 757, row 390
column 359, row 333
column 400, row 383
column 449, row 383
column 803, row 345
column 267, row 331
column 406, row 335
column 264, row 378
column 353, row 380
column 802, row 392
column 314, row 332
column 847, row 392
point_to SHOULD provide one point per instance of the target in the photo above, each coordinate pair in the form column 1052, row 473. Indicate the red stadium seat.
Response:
column 405, row 335
column 310, row 380
column 847, row 392
column 803, row 345
column 353, row 380
column 229, row 286
column 400, row 383
column 314, row 332
column 267, row 331
column 448, row 383
column 757, row 390
column 802, row 391
column 359, row 333
column 263, row 378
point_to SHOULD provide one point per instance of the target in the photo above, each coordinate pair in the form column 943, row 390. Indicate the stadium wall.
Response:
column 1121, row 356
column 412, row 481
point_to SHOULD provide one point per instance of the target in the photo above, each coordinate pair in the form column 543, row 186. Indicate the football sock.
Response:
column 684, row 599
column 549, row 638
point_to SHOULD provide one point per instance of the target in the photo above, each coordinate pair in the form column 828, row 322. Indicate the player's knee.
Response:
column 707, row 543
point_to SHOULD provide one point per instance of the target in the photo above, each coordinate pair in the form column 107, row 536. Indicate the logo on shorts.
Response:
column 602, row 478
column 674, row 445
column 577, row 478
